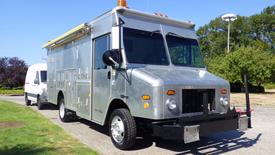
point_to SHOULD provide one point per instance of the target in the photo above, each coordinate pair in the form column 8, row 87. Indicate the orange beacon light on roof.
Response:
column 122, row 3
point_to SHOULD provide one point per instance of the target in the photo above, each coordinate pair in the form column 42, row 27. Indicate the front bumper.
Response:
column 191, row 128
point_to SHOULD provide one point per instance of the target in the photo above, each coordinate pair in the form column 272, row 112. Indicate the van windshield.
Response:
column 143, row 47
column 43, row 76
column 184, row 51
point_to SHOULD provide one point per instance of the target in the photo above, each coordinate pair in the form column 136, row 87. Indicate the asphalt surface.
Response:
column 258, row 140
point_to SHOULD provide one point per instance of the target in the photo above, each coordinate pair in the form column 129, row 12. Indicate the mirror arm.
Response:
column 116, row 64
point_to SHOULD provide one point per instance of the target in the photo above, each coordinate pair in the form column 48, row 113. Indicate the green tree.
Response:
column 252, row 47
column 254, row 62
column 258, row 64
column 12, row 72
column 263, row 27
column 256, row 30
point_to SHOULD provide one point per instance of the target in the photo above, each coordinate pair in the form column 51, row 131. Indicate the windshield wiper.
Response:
column 175, row 35
column 154, row 32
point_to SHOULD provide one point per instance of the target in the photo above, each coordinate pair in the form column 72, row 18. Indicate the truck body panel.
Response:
column 90, row 88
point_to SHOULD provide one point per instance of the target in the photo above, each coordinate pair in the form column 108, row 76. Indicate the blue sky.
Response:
column 25, row 25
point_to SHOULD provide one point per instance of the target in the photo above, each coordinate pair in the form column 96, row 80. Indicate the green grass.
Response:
column 269, row 85
column 36, row 135
column 11, row 92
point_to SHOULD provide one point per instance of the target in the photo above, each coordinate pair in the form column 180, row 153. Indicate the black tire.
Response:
column 129, row 134
column 66, row 115
column 39, row 103
column 27, row 101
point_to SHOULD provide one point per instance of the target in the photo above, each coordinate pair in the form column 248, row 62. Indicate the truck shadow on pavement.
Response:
column 215, row 144
column 47, row 106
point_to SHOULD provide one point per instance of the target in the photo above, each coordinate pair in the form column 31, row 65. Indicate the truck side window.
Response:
column 43, row 76
column 101, row 45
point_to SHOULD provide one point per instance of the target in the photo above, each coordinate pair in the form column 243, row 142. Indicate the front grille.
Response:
column 198, row 100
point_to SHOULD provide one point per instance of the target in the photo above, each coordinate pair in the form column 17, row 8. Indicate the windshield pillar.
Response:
column 166, row 45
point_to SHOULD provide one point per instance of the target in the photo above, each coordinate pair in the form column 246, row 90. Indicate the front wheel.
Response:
column 27, row 101
column 39, row 103
column 66, row 115
column 122, row 129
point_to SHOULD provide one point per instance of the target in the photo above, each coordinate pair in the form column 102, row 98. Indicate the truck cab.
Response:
column 138, row 72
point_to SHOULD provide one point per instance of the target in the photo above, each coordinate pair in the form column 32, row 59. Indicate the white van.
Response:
column 36, row 85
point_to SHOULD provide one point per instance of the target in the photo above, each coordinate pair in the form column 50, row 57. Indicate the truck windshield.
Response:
column 184, row 51
column 144, row 47
column 44, row 76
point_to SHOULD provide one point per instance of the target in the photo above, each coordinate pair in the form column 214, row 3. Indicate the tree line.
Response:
column 252, row 48
column 12, row 72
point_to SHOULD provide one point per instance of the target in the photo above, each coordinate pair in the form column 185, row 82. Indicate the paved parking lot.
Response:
column 258, row 140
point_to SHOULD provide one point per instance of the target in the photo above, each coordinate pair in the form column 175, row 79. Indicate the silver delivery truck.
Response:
column 138, row 74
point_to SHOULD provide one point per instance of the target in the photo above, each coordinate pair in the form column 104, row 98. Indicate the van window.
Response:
column 43, row 76
column 101, row 45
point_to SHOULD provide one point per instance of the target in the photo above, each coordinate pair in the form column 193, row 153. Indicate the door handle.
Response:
column 109, row 75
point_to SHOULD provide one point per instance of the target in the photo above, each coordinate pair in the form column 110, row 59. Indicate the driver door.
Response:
column 101, row 78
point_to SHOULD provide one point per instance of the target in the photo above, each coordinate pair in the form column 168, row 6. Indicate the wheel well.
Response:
column 59, row 96
column 115, row 104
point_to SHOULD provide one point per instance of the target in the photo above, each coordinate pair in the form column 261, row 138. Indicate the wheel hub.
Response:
column 117, row 129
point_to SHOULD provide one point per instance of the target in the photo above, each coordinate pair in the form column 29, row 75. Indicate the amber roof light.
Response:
column 122, row 3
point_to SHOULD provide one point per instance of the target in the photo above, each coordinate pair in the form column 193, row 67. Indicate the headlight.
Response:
column 224, row 101
column 171, row 104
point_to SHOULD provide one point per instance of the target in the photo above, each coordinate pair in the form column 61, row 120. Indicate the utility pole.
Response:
column 228, row 37
column 248, row 111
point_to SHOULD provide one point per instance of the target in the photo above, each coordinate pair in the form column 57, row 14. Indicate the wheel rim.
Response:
column 62, row 110
column 117, row 129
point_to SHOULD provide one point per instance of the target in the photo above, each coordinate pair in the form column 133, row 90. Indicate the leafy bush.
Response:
column 12, row 92
column 259, row 65
column 269, row 85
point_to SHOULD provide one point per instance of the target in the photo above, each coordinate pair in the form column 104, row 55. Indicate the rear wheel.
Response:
column 122, row 129
column 65, row 115
column 27, row 101
column 39, row 103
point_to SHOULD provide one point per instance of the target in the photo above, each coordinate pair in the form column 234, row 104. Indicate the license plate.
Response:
column 191, row 133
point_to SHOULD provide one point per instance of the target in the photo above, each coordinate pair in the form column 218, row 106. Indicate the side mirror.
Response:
column 112, row 58
column 36, row 81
